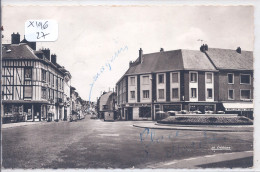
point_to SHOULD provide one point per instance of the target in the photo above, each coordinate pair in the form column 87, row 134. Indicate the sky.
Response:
column 89, row 36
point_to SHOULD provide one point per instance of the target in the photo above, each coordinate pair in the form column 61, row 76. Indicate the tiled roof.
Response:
column 17, row 51
column 196, row 60
column 231, row 59
column 172, row 61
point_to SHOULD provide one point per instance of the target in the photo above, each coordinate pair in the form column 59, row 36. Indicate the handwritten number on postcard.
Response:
column 41, row 30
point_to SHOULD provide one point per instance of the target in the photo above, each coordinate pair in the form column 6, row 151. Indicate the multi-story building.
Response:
column 67, row 97
column 185, row 80
column 32, row 82
column 234, row 80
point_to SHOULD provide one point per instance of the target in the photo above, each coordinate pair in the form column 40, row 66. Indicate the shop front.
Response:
column 243, row 109
column 19, row 111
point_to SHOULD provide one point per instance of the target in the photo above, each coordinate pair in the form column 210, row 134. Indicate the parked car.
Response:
column 172, row 113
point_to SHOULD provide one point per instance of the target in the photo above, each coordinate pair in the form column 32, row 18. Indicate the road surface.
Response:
column 97, row 144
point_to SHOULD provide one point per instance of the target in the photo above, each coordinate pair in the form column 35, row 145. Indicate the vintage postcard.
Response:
column 127, row 87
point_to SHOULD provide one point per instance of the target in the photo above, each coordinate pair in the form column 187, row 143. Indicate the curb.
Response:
column 169, row 164
column 191, row 129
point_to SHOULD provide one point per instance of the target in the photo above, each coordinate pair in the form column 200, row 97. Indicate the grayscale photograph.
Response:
column 127, row 87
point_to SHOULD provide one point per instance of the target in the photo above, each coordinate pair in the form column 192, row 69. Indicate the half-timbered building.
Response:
column 32, row 83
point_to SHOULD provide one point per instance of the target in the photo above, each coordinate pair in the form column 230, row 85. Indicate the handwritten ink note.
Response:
column 41, row 30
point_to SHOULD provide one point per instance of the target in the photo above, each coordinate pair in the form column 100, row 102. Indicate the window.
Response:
column 161, row 78
column 161, row 94
column 28, row 73
column 193, row 77
column 146, row 94
column 44, row 93
column 27, row 91
column 43, row 75
column 231, row 94
column 245, row 94
column 244, row 79
column 132, row 94
column 209, row 78
column 175, row 93
column 132, row 80
column 193, row 92
column 105, row 106
column 145, row 79
column 144, row 112
column 175, row 78
column 230, row 78
column 209, row 93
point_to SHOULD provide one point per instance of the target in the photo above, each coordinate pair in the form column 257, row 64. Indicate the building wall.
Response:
column 145, row 86
column 175, row 86
column 201, row 86
column 186, row 86
column 122, row 91
column 132, row 87
column 237, row 87
column 15, row 85
column 193, row 85
column 161, row 86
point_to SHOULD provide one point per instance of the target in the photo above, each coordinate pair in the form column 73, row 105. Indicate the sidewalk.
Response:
column 199, row 162
column 219, row 128
column 17, row 124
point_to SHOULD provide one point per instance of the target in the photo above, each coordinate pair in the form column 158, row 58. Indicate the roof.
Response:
column 104, row 99
column 231, row 59
column 17, row 51
column 172, row 61
column 24, row 51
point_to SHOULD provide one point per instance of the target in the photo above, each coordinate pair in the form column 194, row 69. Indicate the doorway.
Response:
column 129, row 113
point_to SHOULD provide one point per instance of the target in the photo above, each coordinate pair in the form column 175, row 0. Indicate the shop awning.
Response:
column 239, row 106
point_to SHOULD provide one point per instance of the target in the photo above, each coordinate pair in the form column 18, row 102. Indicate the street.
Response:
column 92, row 143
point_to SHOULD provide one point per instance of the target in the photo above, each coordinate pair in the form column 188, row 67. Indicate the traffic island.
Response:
column 206, row 120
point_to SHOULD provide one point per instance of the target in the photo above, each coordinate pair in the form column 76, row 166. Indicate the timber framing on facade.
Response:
column 34, row 85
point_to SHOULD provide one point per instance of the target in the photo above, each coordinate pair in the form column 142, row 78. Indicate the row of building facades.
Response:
column 34, row 86
column 209, row 80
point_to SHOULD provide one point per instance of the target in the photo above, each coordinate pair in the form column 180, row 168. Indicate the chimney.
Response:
column 39, row 55
column 31, row 44
column 130, row 64
column 140, row 55
column 206, row 47
column 46, row 53
column 202, row 48
column 161, row 50
column 53, row 58
column 238, row 50
column 15, row 38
